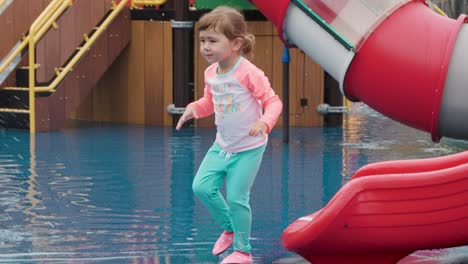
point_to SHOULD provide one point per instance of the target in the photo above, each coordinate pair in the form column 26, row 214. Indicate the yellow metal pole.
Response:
column 32, row 79
column 148, row 2
column 35, row 28
column 41, row 24
column 439, row 11
column 32, row 192
column 347, row 103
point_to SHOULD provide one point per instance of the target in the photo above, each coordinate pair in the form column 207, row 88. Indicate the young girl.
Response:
column 246, row 108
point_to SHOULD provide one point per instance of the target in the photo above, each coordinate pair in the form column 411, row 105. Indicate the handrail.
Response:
column 68, row 68
column 435, row 8
column 89, row 41
column 439, row 11
column 37, row 27
column 148, row 2
column 40, row 22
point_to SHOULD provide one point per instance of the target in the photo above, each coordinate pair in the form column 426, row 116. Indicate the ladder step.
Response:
column 36, row 66
column 12, row 110
column 24, row 89
column 15, row 88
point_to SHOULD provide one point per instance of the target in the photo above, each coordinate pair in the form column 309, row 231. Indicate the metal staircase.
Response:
column 18, row 104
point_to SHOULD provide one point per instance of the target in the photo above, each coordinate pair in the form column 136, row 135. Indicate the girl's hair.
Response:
column 231, row 23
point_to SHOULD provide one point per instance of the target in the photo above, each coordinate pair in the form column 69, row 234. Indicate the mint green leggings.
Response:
column 240, row 169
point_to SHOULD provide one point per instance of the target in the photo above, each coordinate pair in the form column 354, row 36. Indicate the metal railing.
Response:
column 37, row 30
column 436, row 8
column 136, row 3
column 43, row 22
column 326, row 109
column 4, row 4
column 62, row 72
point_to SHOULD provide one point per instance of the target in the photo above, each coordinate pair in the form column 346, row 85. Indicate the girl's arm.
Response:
column 204, row 106
column 198, row 109
column 261, row 89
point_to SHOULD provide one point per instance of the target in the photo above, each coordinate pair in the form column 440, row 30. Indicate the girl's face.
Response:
column 216, row 47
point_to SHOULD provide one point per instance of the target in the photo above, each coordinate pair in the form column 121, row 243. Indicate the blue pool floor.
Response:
column 103, row 193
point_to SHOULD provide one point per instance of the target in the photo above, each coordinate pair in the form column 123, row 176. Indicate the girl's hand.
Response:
column 258, row 127
column 188, row 114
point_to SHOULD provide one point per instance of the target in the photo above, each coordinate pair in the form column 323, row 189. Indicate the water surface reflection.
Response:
column 122, row 194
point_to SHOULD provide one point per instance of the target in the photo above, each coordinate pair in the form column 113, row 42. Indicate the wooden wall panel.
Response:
column 262, row 56
column 22, row 19
column 57, row 108
column 136, row 74
column 69, row 43
column 262, row 28
column 43, row 124
column 168, row 83
column 52, row 56
column 88, row 76
column 100, row 60
column 80, row 19
column 99, row 101
column 296, row 87
column 137, row 88
column 306, row 82
column 7, row 31
column 119, row 88
column 97, row 105
column 108, row 101
column 83, row 78
column 314, row 91
column 97, row 11
column 153, row 73
column 73, row 83
column 277, row 78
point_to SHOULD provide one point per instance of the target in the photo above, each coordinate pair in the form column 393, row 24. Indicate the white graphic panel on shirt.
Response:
column 224, row 99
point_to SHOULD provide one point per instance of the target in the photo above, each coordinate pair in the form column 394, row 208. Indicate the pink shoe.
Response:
column 223, row 243
column 238, row 258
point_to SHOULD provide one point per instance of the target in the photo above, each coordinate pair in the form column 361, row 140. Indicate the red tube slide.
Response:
column 401, row 68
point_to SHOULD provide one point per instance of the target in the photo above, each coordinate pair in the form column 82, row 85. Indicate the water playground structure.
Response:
column 398, row 56
column 407, row 62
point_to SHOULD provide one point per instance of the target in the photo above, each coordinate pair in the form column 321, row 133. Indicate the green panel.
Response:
column 211, row 4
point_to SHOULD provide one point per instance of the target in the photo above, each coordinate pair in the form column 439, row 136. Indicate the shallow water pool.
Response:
column 105, row 193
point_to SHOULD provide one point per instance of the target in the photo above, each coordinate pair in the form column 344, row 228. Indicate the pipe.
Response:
column 325, row 109
column 285, row 59
column 173, row 110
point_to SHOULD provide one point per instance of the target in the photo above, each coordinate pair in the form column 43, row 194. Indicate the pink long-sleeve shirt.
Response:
column 239, row 98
